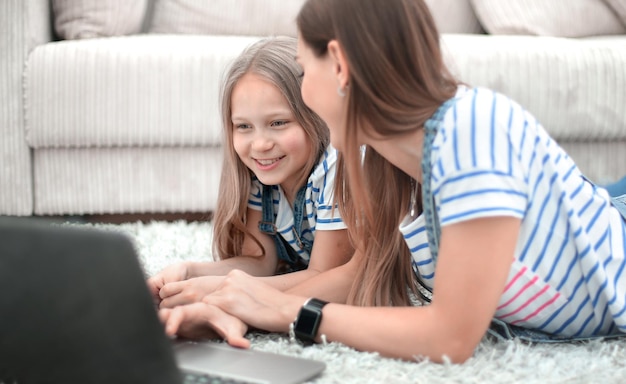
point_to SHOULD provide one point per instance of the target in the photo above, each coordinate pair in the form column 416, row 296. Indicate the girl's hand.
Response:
column 204, row 321
column 172, row 273
column 257, row 304
column 188, row 291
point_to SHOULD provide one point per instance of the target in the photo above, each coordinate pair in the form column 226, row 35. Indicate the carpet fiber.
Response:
column 162, row 243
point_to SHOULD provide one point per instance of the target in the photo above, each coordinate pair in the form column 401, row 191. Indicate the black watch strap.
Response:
column 309, row 319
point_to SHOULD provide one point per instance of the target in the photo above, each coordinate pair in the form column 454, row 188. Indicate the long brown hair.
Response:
column 397, row 81
column 272, row 59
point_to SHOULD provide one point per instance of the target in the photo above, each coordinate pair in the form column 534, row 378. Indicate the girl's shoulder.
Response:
column 326, row 163
column 322, row 177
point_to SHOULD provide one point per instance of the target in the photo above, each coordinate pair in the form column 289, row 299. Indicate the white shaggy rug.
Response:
column 162, row 243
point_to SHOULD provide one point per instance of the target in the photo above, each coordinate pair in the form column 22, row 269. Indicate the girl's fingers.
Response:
column 171, row 289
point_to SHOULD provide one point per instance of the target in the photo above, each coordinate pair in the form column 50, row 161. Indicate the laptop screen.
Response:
column 75, row 309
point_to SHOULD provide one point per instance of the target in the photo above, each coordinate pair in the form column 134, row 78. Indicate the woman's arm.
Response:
column 473, row 266
column 472, row 269
column 202, row 320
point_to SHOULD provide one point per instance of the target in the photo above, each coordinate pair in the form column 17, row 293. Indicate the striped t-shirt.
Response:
column 319, row 211
column 492, row 158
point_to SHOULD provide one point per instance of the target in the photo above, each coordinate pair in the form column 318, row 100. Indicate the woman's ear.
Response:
column 340, row 64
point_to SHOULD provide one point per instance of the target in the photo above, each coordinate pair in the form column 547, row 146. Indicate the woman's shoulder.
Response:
column 482, row 100
column 485, row 107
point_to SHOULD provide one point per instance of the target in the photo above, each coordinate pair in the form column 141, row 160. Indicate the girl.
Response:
column 276, row 187
column 510, row 231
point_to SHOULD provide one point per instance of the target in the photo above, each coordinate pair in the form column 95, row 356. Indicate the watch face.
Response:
column 307, row 323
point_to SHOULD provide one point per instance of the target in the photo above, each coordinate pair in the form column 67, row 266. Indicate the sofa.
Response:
column 111, row 107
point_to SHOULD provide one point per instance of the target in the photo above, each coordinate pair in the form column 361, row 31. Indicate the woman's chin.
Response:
column 336, row 143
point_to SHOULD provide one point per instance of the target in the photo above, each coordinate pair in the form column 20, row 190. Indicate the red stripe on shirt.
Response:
column 552, row 300
column 533, row 298
column 524, row 288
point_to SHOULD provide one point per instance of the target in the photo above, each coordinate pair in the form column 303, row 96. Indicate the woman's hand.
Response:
column 257, row 304
column 204, row 321
column 188, row 291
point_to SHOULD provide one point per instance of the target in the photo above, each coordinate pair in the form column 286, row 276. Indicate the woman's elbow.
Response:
column 455, row 350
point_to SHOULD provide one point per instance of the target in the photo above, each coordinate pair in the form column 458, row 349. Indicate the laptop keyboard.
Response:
column 203, row 378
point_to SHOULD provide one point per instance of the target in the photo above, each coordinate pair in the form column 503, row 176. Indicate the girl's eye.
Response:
column 278, row 123
column 242, row 126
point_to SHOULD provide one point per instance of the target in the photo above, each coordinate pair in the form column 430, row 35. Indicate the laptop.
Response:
column 75, row 308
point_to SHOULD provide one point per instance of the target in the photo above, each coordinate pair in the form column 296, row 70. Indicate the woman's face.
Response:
column 319, row 91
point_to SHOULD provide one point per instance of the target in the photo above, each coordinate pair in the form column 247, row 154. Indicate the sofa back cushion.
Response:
column 226, row 17
column 619, row 6
column 277, row 17
column 454, row 16
column 561, row 18
column 83, row 19
column 128, row 91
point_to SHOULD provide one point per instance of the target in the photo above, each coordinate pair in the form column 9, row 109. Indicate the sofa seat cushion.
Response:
column 125, row 180
column 142, row 90
column 575, row 87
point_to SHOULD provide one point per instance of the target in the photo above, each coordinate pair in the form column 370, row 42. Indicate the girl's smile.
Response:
column 267, row 164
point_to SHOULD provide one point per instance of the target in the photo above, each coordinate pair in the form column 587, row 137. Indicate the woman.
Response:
column 510, row 230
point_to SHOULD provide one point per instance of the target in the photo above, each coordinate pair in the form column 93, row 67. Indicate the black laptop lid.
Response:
column 74, row 308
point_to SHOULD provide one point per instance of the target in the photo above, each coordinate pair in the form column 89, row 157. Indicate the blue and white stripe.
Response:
column 492, row 158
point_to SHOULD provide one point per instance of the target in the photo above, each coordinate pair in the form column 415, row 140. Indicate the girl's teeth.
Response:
column 267, row 162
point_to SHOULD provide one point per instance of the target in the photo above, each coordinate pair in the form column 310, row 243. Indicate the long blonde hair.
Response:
column 273, row 60
column 397, row 81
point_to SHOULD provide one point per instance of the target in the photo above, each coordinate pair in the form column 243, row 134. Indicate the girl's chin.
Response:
column 269, row 180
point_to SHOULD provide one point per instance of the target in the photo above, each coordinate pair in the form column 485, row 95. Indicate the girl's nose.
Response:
column 262, row 142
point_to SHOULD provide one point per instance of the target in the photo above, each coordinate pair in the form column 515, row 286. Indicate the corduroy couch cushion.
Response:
column 141, row 90
column 226, row 17
column 86, row 19
column 561, row 18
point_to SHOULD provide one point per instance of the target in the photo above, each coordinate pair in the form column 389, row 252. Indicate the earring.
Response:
column 340, row 91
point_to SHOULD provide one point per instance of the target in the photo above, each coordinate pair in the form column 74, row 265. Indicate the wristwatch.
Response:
column 309, row 319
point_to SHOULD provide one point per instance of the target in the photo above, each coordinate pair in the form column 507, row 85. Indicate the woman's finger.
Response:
column 172, row 318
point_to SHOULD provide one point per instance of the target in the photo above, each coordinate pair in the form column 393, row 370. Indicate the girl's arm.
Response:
column 186, row 282
column 256, row 264
column 330, row 249
column 332, row 285
column 472, row 269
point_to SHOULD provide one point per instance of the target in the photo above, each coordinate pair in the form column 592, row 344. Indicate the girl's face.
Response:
column 319, row 91
column 266, row 135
